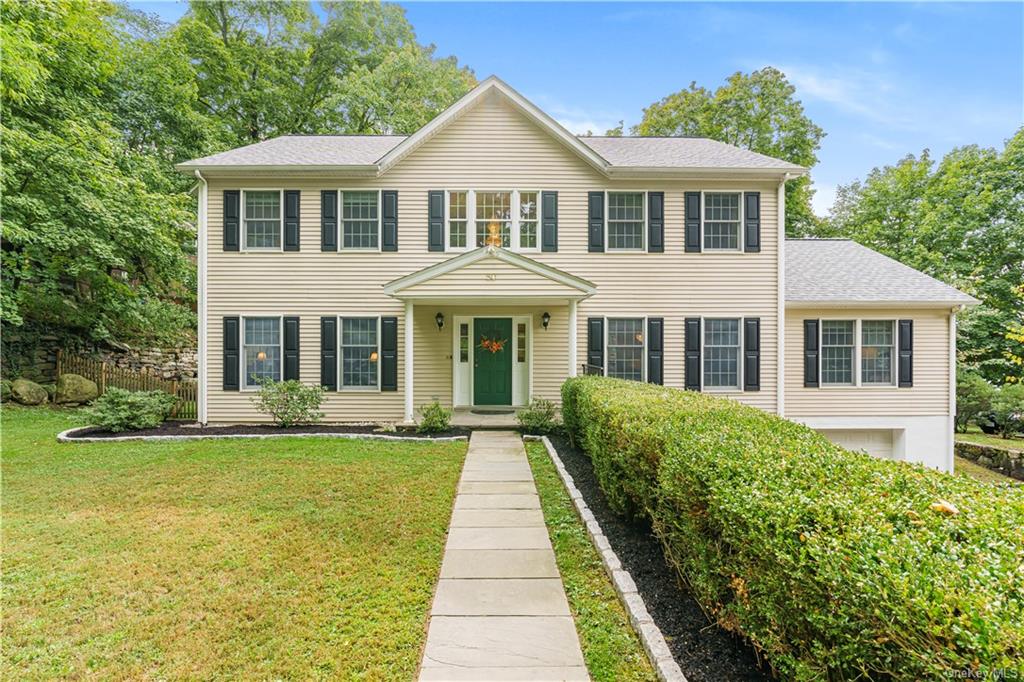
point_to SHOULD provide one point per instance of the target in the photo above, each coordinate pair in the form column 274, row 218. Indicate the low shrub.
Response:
column 434, row 418
column 290, row 402
column 540, row 417
column 973, row 398
column 834, row 564
column 120, row 410
column 1008, row 409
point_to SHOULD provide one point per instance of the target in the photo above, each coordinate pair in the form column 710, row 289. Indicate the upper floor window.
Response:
column 261, row 345
column 722, row 354
column 625, row 348
column 510, row 219
column 722, row 221
column 261, row 214
column 360, row 219
column 626, row 221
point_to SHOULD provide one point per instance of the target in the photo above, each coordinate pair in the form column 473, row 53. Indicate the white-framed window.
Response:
column 359, row 353
column 262, row 219
column 493, row 218
column 838, row 352
column 624, row 348
column 721, row 353
column 475, row 218
column 627, row 221
column 529, row 213
column 360, row 219
column 464, row 342
column 458, row 217
column 723, row 216
column 261, row 349
column 877, row 351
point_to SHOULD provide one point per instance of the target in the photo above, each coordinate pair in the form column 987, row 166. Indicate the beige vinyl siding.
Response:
column 928, row 396
column 491, row 277
column 491, row 147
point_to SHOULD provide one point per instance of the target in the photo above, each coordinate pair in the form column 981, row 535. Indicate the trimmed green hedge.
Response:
column 832, row 563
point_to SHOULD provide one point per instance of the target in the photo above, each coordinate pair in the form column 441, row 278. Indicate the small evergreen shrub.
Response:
column 290, row 402
column 541, row 417
column 1008, row 409
column 434, row 418
column 120, row 410
column 834, row 564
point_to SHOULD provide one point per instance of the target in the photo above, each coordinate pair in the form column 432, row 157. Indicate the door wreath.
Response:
column 493, row 345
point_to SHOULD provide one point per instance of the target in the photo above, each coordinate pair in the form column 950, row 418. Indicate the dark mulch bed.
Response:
column 178, row 428
column 705, row 652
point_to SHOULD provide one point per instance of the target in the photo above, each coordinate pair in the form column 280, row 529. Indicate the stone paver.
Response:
column 500, row 611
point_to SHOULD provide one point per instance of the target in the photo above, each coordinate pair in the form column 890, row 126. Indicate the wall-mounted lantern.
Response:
column 545, row 319
column 439, row 318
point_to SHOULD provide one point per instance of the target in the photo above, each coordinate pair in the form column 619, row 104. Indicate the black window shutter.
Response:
column 389, row 220
column 549, row 221
column 292, row 204
column 693, row 354
column 656, row 222
column 655, row 350
column 230, row 368
column 435, row 220
column 329, row 352
column 595, row 222
column 232, row 216
column 752, row 354
column 906, row 367
column 811, row 353
column 752, row 222
column 290, row 368
column 389, row 353
column 693, row 238
column 328, row 220
column 595, row 342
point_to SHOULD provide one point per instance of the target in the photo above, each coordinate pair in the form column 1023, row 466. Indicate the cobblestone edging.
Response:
column 67, row 437
column 650, row 634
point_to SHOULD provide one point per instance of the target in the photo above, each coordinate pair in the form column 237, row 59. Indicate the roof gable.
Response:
column 492, row 86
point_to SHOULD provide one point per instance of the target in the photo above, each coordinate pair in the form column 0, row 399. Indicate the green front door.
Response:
column 492, row 368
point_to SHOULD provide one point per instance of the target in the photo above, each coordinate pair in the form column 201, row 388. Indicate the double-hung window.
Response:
column 838, row 348
column 510, row 219
column 877, row 349
column 722, row 354
column 360, row 352
column 261, row 214
column 625, row 348
column 528, row 206
column 261, row 349
column 458, row 213
column 722, row 219
column 360, row 219
column 626, row 221
column 494, row 219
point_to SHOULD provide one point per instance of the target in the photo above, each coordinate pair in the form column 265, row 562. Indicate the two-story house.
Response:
column 492, row 254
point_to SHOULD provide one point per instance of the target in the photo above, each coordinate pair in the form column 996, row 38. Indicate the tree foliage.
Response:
column 757, row 111
column 100, row 102
column 960, row 220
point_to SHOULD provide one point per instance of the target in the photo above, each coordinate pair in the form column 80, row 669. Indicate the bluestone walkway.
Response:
column 500, row 611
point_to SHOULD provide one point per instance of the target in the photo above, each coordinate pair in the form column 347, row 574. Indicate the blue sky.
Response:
column 882, row 79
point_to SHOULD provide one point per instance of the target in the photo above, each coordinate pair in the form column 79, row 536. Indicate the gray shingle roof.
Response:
column 841, row 270
column 620, row 152
column 306, row 150
column 680, row 152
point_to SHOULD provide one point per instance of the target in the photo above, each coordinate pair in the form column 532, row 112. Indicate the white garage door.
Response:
column 877, row 442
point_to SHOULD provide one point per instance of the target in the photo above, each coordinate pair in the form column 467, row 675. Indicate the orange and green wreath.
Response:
column 493, row 345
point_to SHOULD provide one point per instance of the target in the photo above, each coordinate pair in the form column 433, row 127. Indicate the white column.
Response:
column 408, row 363
column 572, row 337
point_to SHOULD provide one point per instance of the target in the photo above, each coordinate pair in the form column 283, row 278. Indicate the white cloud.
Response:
column 824, row 197
column 577, row 120
column 869, row 94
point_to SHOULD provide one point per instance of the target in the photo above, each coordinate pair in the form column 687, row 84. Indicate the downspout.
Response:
column 780, row 268
column 201, row 296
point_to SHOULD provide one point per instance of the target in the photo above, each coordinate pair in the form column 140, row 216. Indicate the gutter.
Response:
column 203, row 247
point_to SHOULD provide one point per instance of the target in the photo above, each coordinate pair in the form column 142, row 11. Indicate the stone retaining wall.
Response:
column 1007, row 462
column 166, row 363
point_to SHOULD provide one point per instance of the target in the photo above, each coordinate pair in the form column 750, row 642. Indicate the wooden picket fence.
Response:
column 107, row 375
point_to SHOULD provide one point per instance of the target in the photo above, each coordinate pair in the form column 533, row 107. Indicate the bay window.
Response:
column 261, row 349
column 261, row 214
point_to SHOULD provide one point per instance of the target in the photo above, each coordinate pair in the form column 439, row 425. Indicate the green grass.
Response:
column 966, row 467
column 610, row 646
column 974, row 435
column 253, row 559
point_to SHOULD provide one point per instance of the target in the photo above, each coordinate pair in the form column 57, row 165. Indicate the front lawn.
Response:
column 287, row 558
column 975, row 435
